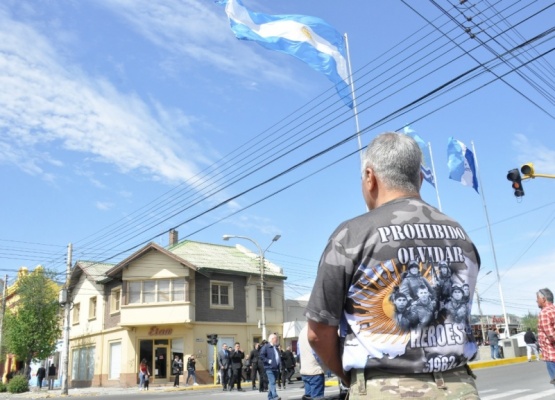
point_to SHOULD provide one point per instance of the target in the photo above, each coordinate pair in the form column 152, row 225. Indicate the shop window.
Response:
column 267, row 297
column 75, row 316
column 82, row 368
column 115, row 300
column 221, row 294
column 92, row 307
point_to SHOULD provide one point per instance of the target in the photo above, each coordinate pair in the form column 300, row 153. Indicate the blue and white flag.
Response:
column 461, row 164
column 310, row 39
column 426, row 166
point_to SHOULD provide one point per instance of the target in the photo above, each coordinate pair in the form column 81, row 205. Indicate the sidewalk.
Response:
column 96, row 391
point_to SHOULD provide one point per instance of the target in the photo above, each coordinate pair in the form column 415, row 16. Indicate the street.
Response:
column 520, row 381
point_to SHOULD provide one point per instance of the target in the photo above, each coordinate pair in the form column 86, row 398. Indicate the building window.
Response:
column 163, row 291
column 267, row 297
column 82, row 367
column 221, row 294
column 158, row 291
column 76, row 310
column 134, row 292
column 115, row 300
column 180, row 290
column 92, row 307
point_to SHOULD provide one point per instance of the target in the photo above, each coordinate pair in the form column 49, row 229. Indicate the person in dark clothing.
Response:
column 531, row 345
column 271, row 360
column 41, row 374
column 289, row 363
column 263, row 379
column 247, row 366
column 52, row 371
column 236, row 355
column 282, row 377
column 191, row 371
column 253, row 357
column 177, row 369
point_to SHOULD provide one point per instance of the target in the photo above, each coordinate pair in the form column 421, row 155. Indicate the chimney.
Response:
column 174, row 237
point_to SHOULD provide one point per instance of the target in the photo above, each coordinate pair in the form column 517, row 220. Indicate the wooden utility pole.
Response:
column 67, row 309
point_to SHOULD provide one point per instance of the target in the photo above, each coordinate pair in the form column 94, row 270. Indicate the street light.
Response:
column 261, row 255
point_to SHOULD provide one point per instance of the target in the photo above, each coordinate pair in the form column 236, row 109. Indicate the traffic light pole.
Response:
column 215, row 364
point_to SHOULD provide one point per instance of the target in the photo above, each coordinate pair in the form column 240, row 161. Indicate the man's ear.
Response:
column 370, row 178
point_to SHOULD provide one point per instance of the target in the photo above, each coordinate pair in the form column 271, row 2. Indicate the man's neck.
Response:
column 390, row 195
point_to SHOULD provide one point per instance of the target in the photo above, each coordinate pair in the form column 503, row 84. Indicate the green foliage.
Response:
column 529, row 321
column 32, row 324
column 3, row 388
column 18, row 384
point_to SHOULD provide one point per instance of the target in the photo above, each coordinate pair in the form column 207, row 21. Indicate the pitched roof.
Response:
column 215, row 257
column 94, row 270
column 139, row 253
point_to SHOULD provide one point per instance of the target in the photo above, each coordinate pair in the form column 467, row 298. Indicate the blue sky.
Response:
column 121, row 119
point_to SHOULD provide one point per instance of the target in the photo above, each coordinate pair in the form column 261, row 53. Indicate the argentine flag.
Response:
column 426, row 166
column 462, row 167
column 310, row 39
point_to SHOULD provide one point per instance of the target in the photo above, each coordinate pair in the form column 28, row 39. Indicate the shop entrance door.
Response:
column 161, row 362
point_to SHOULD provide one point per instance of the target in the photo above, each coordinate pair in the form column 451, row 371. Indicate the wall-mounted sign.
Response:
column 155, row 331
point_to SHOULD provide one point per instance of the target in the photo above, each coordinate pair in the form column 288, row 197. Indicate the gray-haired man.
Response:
column 366, row 260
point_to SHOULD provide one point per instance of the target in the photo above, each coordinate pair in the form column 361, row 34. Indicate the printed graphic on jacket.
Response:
column 412, row 317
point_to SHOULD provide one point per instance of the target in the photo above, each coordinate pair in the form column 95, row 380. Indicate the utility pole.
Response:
column 4, row 294
column 481, row 315
column 67, row 309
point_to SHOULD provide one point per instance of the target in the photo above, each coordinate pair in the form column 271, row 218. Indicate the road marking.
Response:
column 505, row 394
column 545, row 394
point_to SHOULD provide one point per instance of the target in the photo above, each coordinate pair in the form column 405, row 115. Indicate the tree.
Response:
column 32, row 324
column 529, row 321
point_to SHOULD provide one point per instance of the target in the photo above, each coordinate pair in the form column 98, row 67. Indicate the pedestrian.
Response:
column 531, row 345
column 493, row 339
column 312, row 371
column 253, row 357
column 546, row 330
column 224, row 362
column 52, row 372
column 143, row 373
column 237, row 356
column 247, row 366
column 289, row 362
column 271, row 360
column 191, row 371
column 41, row 374
column 365, row 259
column 177, row 369
column 281, row 375
column 262, row 378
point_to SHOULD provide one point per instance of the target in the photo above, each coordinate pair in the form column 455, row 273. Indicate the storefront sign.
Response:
column 155, row 331
column 498, row 320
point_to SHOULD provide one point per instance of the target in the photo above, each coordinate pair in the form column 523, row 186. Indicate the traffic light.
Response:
column 514, row 176
column 212, row 339
column 528, row 170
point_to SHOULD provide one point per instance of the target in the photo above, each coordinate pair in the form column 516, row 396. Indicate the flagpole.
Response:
column 491, row 242
column 435, row 176
column 352, row 85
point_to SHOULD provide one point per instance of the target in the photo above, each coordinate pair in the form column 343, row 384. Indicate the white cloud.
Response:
column 104, row 205
column 45, row 106
column 197, row 32
column 533, row 151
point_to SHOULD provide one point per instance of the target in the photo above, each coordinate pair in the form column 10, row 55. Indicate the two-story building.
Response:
column 162, row 302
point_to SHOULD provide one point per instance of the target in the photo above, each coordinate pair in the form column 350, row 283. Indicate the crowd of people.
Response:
column 235, row 367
